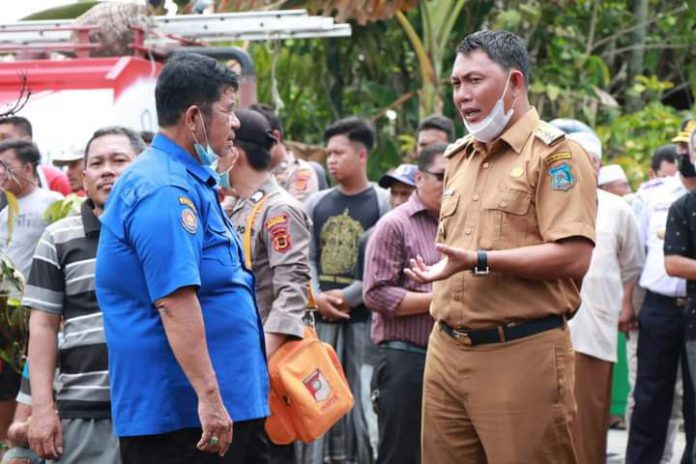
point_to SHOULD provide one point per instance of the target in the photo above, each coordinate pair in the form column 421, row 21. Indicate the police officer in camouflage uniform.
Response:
column 295, row 175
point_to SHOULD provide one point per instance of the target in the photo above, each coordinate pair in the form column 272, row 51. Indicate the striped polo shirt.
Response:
column 61, row 282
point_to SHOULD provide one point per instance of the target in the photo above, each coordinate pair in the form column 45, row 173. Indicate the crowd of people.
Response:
column 474, row 298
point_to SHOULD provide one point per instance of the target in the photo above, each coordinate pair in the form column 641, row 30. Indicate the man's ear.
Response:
column 363, row 154
column 190, row 116
column 517, row 82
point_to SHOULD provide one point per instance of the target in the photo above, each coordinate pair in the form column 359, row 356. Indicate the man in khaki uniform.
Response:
column 293, row 174
column 279, row 236
column 517, row 233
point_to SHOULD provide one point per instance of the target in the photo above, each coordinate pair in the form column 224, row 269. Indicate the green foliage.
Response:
column 14, row 319
column 63, row 12
column 631, row 139
column 12, row 212
column 62, row 208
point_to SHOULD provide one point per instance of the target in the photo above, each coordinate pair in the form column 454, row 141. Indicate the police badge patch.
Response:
column 561, row 177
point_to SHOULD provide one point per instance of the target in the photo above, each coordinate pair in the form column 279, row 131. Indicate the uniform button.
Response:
column 503, row 204
column 475, row 197
column 485, row 165
column 467, row 231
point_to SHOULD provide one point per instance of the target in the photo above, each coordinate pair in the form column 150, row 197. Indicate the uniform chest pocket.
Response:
column 510, row 202
column 449, row 205
column 506, row 217
column 218, row 245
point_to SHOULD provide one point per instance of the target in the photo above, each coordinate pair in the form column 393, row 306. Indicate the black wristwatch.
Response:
column 481, row 268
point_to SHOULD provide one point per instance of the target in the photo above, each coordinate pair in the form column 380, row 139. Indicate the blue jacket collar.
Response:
column 176, row 152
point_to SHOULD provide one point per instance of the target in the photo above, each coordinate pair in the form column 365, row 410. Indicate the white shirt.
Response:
column 29, row 225
column 617, row 258
column 650, row 206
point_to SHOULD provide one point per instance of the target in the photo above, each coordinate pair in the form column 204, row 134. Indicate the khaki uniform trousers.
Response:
column 501, row 403
column 593, row 396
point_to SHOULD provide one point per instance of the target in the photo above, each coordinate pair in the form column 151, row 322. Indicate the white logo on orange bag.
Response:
column 317, row 385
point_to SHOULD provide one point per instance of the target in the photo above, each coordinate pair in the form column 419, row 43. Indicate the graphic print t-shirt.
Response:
column 339, row 222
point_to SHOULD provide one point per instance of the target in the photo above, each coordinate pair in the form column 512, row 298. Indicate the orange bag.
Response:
column 309, row 391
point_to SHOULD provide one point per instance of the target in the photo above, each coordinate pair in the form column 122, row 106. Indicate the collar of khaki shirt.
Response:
column 514, row 136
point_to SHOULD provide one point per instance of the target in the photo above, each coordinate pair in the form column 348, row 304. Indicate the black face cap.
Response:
column 254, row 128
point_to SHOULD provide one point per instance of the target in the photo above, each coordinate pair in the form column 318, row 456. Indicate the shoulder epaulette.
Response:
column 458, row 145
column 548, row 133
column 257, row 196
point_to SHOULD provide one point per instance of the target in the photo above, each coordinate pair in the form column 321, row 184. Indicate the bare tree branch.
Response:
column 623, row 32
column 24, row 94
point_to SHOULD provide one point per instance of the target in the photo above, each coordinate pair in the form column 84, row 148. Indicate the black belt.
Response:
column 677, row 301
column 503, row 333
column 403, row 346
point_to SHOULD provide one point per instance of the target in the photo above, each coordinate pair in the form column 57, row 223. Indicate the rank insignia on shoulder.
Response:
column 457, row 145
column 562, row 178
column 256, row 197
column 186, row 201
column 562, row 155
column 189, row 221
column 547, row 133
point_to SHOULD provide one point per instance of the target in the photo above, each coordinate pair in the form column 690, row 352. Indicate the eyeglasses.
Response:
column 440, row 176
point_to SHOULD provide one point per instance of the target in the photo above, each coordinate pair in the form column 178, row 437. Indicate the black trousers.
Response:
column 397, row 392
column 661, row 350
column 179, row 447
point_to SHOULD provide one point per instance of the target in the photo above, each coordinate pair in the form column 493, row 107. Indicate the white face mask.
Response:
column 490, row 128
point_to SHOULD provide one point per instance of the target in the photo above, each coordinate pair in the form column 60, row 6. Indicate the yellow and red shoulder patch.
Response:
column 277, row 226
column 302, row 179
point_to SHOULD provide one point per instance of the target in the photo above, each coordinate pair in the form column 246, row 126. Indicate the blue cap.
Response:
column 405, row 173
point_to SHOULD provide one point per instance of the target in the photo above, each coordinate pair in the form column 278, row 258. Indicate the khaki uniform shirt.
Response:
column 297, row 177
column 532, row 186
column 280, row 238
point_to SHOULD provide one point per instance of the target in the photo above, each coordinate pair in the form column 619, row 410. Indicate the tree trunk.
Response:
column 635, row 62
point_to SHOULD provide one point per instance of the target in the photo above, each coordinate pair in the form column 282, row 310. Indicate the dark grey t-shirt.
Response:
column 339, row 222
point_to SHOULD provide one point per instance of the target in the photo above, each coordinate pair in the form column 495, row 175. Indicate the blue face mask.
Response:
column 210, row 159
column 205, row 154
column 222, row 178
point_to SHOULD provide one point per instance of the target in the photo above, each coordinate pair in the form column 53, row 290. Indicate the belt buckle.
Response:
column 462, row 337
column 680, row 302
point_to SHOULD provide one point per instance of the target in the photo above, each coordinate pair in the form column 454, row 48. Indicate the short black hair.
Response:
column 190, row 79
column 26, row 152
column 21, row 122
column 147, row 136
column 664, row 153
column 259, row 157
column 269, row 113
column 356, row 129
column 428, row 154
column 136, row 142
column 502, row 47
column 437, row 122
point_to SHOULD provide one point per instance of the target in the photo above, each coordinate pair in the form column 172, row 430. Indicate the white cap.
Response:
column 611, row 173
column 67, row 156
column 589, row 141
